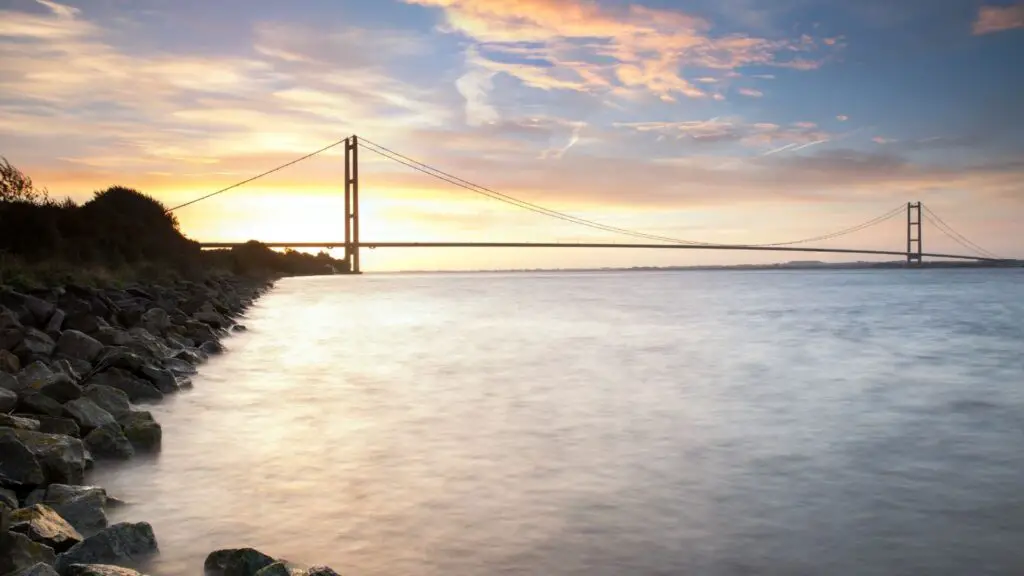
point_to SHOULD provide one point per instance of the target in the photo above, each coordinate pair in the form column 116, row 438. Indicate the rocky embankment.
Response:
column 77, row 366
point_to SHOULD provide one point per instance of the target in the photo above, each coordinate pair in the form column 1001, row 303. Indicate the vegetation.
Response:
column 120, row 235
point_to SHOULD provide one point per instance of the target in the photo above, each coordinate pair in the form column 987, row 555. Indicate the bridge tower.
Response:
column 352, row 205
column 914, row 234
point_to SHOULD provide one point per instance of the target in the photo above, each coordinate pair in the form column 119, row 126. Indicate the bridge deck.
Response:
column 373, row 245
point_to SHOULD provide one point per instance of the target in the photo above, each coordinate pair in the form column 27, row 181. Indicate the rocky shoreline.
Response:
column 77, row 367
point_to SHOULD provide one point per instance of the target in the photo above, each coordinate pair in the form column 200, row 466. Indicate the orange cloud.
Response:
column 998, row 18
column 751, row 93
column 586, row 47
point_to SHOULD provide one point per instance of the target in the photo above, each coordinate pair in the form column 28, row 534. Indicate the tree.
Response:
column 15, row 186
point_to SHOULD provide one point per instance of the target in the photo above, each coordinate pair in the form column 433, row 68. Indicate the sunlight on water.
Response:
column 605, row 423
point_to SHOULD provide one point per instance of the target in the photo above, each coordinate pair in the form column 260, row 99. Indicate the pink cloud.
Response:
column 751, row 93
column 999, row 18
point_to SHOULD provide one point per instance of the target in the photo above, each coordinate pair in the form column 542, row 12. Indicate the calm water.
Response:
column 725, row 423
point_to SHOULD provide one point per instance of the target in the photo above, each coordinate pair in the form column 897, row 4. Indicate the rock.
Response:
column 137, row 390
column 73, row 369
column 18, row 465
column 156, row 321
column 8, row 400
column 42, row 524
column 236, row 562
column 183, row 382
column 10, row 383
column 87, row 414
column 113, row 336
column 192, row 356
column 179, row 367
column 34, row 376
column 100, row 570
column 10, row 339
column 39, row 309
column 110, row 399
column 120, row 357
column 75, row 344
column 35, row 344
column 82, row 506
column 199, row 332
column 9, row 362
column 65, row 426
column 56, row 322
column 61, row 388
column 119, row 544
column 180, row 342
column 109, row 441
column 212, row 347
column 161, row 378
column 37, row 403
column 144, row 433
column 24, row 554
column 275, row 569
column 39, row 569
column 61, row 457
column 147, row 345
column 321, row 571
column 19, row 422
column 84, row 322
column 8, row 498
column 239, row 328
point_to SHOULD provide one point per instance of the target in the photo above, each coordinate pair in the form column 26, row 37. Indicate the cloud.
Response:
column 721, row 130
column 751, row 93
column 998, row 18
column 842, row 117
column 882, row 140
column 588, row 47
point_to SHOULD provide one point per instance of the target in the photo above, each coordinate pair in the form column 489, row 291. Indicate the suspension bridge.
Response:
column 916, row 216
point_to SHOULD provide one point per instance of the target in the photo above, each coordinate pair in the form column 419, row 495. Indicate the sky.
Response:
column 721, row 121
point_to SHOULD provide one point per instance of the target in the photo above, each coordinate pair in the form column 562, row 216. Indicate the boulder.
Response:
column 212, row 347
column 192, row 356
column 137, row 389
column 321, row 571
column 82, row 506
column 179, row 342
column 207, row 314
column 275, row 569
column 75, row 344
column 87, row 414
column 19, row 467
column 8, row 498
column 10, row 383
column 199, row 332
column 239, row 328
column 113, row 336
column 42, row 524
column 156, row 321
column 179, row 367
column 23, row 554
column 10, row 338
column 148, row 345
column 144, row 433
column 236, row 562
column 73, row 369
column 122, row 543
column 39, row 569
column 119, row 357
column 100, row 570
column 9, row 319
column 19, row 422
column 61, row 457
column 110, row 399
column 56, row 322
column 109, row 441
column 61, row 388
column 35, row 344
column 64, row 426
column 34, row 375
column 39, row 309
column 161, row 378
column 8, row 399
column 9, row 362
column 84, row 322
column 33, row 402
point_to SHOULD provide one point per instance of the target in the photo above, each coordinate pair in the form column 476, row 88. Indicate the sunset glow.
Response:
column 738, row 122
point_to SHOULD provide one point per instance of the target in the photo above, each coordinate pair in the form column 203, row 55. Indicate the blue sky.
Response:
column 715, row 120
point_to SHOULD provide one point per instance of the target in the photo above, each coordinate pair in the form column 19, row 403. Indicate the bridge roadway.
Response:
column 373, row 245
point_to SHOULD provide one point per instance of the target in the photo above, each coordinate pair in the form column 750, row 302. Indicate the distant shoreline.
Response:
column 798, row 265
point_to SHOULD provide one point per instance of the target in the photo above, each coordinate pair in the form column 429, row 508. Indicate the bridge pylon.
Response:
column 915, row 245
column 352, row 205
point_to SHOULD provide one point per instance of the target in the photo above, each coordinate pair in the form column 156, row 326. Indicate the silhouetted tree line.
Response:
column 121, row 229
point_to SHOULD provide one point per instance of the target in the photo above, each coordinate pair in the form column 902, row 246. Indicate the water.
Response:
column 721, row 423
